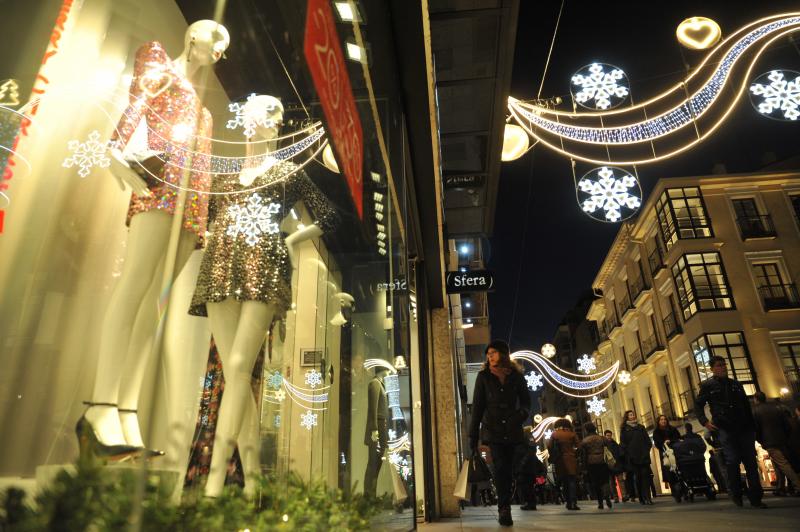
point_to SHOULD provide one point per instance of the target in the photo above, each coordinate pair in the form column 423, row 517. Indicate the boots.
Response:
column 505, row 516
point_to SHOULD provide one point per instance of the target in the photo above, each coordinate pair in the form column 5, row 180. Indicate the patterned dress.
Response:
column 246, row 255
column 178, row 126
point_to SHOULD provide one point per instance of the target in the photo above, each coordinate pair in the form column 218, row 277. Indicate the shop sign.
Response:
column 395, row 286
column 469, row 281
column 329, row 72
column 464, row 181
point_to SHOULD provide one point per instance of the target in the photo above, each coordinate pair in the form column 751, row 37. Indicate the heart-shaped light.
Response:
column 154, row 82
column 698, row 33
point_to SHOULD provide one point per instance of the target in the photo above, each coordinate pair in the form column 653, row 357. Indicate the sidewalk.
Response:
column 706, row 516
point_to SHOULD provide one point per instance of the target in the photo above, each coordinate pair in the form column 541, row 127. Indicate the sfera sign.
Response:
column 469, row 281
column 396, row 285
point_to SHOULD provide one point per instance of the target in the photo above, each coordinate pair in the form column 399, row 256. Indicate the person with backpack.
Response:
column 593, row 447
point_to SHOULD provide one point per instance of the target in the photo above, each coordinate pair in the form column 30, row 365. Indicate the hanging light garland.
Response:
column 572, row 384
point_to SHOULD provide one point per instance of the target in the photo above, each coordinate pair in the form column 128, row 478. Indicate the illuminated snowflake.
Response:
column 596, row 406
column 547, row 434
column 534, row 381
column 280, row 395
column 586, row 364
column 624, row 377
column 277, row 421
column 392, row 434
column 395, row 458
column 609, row 193
column 248, row 123
column 313, row 378
column 308, row 420
column 600, row 86
column 275, row 380
column 87, row 154
column 254, row 219
column 778, row 95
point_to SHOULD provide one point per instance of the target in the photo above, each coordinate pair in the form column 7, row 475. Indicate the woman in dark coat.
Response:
column 500, row 404
column 593, row 447
column 563, row 450
column 636, row 445
column 665, row 433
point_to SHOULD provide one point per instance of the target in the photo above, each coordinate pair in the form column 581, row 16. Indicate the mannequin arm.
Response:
column 124, row 175
column 301, row 235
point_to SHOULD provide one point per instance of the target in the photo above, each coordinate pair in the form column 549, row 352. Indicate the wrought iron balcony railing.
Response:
column 779, row 296
column 755, row 226
column 671, row 325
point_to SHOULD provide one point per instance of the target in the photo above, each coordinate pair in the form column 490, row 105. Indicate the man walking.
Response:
column 732, row 416
column 616, row 479
column 772, row 431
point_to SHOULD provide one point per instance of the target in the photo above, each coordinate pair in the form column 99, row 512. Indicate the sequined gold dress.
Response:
column 246, row 255
column 177, row 123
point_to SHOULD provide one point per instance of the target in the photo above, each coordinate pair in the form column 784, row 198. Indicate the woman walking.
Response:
column 593, row 447
column 665, row 433
column 500, row 403
column 563, row 452
column 636, row 445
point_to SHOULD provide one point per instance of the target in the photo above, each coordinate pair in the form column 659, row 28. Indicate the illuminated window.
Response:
column 732, row 347
column 790, row 358
column 702, row 284
column 682, row 215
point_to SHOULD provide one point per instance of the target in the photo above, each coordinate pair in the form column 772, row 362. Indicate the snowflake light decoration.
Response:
column 534, row 381
column 549, row 350
column 313, row 378
column 280, row 395
column 395, row 458
column 547, row 434
column 586, row 364
column 606, row 86
column 776, row 94
column 596, row 406
column 308, row 420
column 275, row 380
column 276, row 422
column 624, row 377
column 602, row 190
column 246, row 122
column 392, row 434
column 87, row 154
column 254, row 219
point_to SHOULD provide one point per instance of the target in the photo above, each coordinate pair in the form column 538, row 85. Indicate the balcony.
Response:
column 637, row 287
column 779, row 296
column 635, row 359
column 655, row 261
column 650, row 345
column 671, row 326
column 624, row 305
column 687, row 402
column 755, row 226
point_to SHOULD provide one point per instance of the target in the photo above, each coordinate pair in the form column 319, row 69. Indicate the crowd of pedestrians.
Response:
column 605, row 470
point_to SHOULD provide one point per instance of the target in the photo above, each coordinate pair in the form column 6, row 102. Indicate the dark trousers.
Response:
column 506, row 457
column 374, row 464
column 569, row 483
column 598, row 479
column 739, row 448
column 641, row 475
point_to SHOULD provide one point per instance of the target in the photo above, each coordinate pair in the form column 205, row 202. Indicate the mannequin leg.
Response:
column 147, row 241
column 249, row 447
column 237, row 366
column 140, row 348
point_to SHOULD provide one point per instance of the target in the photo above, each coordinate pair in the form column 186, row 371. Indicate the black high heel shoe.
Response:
column 144, row 451
column 90, row 444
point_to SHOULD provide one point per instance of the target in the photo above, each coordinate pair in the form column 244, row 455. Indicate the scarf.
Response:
column 500, row 373
column 632, row 423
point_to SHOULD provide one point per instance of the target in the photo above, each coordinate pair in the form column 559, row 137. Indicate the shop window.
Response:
column 790, row 359
column 702, row 283
column 682, row 215
column 732, row 347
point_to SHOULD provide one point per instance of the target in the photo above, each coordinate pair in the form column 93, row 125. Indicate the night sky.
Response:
column 564, row 247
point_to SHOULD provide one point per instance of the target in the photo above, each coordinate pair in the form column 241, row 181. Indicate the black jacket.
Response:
column 502, row 408
column 772, row 425
column 619, row 456
column 636, row 444
column 660, row 436
column 730, row 408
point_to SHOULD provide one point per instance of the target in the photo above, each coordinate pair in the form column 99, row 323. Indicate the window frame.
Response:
column 669, row 225
column 690, row 304
column 724, row 350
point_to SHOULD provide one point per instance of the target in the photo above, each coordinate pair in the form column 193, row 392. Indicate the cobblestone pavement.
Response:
column 706, row 516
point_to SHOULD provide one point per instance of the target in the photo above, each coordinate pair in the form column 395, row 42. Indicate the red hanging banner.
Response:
column 329, row 72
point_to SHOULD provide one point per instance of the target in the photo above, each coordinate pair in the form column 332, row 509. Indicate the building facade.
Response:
column 708, row 268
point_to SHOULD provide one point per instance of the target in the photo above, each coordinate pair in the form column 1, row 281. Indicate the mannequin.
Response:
column 165, row 118
column 376, row 434
column 245, row 277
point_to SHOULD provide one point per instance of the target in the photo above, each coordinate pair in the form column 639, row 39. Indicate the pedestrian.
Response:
column 636, row 444
column 563, row 453
column 732, row 416
column 617, row 476
column 501, row 404
column 665, row 433
column 773, row 432
column 593, row 447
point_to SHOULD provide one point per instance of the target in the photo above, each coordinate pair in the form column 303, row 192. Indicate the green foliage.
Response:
column 93, row 499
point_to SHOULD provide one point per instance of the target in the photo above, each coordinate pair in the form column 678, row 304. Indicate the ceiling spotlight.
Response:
column 379, row 207
column 463, row 268
column 329, row 160
column 382, row 251
column 464, row 249
column 467, row 304
column 380, row 227
column 376, row 177
column 377, row 196
column 381, row 235
column 381, row 243
column 379, row 216
column 347, row 13
column 515, row 143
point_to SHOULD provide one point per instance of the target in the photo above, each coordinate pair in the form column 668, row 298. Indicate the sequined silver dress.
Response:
column 246, row 255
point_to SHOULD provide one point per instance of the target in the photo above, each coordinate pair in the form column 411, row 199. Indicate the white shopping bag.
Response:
column 462, row 483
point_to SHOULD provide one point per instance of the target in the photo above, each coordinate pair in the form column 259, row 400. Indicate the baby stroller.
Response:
column 687, row 462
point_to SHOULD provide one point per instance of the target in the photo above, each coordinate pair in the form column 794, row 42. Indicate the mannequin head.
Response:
column 265, row 113
column 205, row 41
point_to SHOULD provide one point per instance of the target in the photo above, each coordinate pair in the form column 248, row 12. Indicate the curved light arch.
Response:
column 584, row 386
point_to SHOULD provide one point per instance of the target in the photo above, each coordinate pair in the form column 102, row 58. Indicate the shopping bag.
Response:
column 608, row 458
column 462, row 482
column 478, row 470
column 399, row 487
